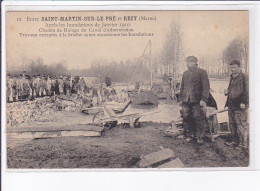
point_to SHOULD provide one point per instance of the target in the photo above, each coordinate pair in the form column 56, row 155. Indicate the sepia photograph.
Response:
column 127, row 89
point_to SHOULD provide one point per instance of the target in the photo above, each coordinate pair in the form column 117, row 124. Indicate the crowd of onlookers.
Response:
column 25, row 87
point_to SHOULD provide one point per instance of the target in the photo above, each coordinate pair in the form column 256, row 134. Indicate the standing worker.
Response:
column 41, row 86
column 15, row 88
column 26, row 88
column 57, row 90
column 53, row 82
column 37, row 82
column 83, row 85
column 20, row 87
column 61, row 85
column 67, row 86
column 31, row 97
column 194, row 93
column 108, row 81
column 237, row 103
column 48, row 86
column 8, row 88
column 72, row 88
column 33, row 81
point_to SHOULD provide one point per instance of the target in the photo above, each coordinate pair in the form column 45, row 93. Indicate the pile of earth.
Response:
column 40, row 109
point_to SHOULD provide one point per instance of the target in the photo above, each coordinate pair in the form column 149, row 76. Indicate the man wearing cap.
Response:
column 237, row 103
column 194, row 93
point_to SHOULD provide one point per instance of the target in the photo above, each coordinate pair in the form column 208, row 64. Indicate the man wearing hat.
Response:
column 237, row 103
column 194, row 93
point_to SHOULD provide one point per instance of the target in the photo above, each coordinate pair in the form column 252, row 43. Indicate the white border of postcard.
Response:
column 254, row 38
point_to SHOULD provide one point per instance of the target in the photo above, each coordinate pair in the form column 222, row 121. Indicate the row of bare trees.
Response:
column 172, row 55
column 237, row 50
column 38, row 67
column 118, row 71
column 218, row 66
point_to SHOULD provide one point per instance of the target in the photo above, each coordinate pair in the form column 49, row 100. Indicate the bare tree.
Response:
column 172, row 56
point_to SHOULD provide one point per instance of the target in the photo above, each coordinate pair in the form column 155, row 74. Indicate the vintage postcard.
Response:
column 127, row 89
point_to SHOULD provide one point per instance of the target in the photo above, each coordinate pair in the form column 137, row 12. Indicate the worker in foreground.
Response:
column 194, row 93
column 237, row 103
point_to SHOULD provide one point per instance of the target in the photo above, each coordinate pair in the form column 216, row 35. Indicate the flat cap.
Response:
column 235, row 62
column 191, row 59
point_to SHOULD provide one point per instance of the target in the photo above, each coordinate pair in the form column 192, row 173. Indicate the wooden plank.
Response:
column 79, row 127
column 222, row 134
column 213, row 124
column 92, row 111
column 213, row 111
column 176, row 163
column 124, row 116
column 53, row 134
column 153, row 158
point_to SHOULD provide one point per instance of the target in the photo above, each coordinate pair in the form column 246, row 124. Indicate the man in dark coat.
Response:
column 194, row 93
column 237, row 103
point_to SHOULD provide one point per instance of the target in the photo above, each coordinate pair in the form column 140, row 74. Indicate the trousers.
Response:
column 193, row 119
column 239, row 126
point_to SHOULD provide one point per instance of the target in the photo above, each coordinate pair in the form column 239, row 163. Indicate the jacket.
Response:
column 194, row 86
column 238, row 92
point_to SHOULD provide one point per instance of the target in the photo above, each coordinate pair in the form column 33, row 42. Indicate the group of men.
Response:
column 24, row 87
column 195, row 95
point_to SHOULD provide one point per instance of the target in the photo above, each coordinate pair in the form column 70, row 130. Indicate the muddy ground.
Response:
column 120, row 147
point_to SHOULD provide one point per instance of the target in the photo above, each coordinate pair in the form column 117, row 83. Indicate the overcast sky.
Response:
column 203, row 33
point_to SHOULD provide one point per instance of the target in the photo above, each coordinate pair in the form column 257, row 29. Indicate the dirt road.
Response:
column 120, row 148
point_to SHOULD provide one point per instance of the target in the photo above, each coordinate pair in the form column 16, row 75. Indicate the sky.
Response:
column 204, row 33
